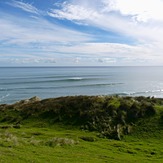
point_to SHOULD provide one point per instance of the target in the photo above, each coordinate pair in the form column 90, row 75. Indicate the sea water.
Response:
column 17, row 83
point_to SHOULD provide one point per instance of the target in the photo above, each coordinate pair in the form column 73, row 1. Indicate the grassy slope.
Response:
column 40, row 140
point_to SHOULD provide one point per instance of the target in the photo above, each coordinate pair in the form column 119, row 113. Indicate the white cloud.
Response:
column 107, row 60
column 77, row 60
column 24, row 6
column 73, row 12
column 23, row 31
column 141, row 10
column 22, row 40
column 110, row 52
column 140, row 20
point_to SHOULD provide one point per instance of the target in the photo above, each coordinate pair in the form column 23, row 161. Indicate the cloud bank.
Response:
column 66, row 33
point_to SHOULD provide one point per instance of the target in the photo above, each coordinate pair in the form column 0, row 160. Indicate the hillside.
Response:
column 132, row 127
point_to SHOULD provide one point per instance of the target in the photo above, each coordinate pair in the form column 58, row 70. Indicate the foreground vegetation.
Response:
column 82, row 129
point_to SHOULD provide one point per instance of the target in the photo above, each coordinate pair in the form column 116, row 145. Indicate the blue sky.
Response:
column 81, row 32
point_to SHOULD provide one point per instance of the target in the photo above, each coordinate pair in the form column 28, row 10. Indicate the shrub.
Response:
column 134, row 112
column 148, row 109
column 125, row 105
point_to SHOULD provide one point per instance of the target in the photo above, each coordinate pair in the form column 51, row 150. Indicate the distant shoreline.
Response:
column 75, row 66
column 37, row 99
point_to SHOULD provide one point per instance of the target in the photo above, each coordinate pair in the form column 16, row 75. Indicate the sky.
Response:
column 81, row 33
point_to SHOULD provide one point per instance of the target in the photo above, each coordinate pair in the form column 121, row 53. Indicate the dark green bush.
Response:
column 109, row 115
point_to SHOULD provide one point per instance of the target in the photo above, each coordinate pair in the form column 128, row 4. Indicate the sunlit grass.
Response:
column 40, row 138
column 58, row 144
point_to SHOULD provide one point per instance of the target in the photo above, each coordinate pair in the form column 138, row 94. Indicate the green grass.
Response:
column 31, row 133
column 31, row 144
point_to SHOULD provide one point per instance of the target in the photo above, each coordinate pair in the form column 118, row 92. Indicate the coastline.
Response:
column 22, row 83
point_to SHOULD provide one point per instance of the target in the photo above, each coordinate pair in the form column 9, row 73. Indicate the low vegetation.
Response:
column 82, row 129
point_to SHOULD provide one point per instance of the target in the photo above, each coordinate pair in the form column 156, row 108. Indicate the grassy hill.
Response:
column 82, row 129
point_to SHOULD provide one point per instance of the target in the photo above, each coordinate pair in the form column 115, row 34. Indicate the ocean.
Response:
column 17, row 83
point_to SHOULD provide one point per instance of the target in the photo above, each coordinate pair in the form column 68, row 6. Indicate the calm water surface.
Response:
column 22, row 83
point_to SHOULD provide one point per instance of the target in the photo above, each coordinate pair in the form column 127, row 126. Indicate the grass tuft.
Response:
column 60, row 142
